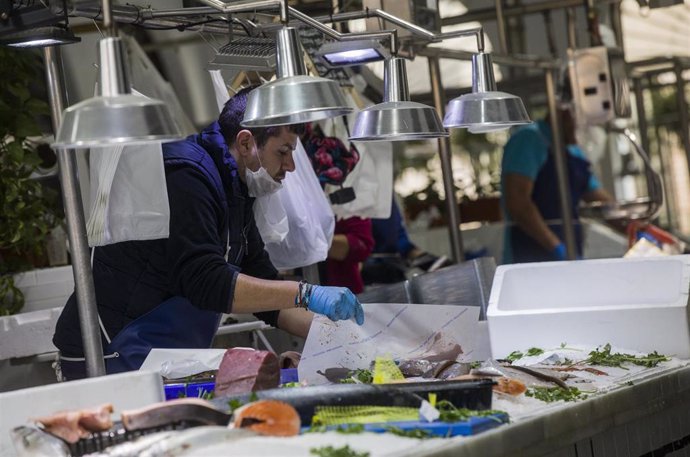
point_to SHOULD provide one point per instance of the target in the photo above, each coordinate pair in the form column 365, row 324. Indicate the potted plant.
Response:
column 27, row 210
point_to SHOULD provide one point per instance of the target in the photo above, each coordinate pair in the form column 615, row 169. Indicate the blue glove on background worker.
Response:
column 336, row 303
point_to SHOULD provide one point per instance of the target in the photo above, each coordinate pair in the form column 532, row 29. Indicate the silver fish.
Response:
column 136, row 447
column 195, row 439
column 32, row 441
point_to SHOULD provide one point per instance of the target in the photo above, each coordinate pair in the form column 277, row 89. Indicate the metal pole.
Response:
column 489, row 14
column 501, row 23
column 560, row 158
column 76, row 228
column 311, row 274
column 644, row 139
column 617, row 26
column 682, row 109
column 446, row 165
column 570, row 25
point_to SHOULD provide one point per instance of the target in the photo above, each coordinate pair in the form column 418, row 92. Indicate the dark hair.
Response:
column 233, row 113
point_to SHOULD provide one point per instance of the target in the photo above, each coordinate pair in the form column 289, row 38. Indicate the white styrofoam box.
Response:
column 134, row 389
column 639, row 304
column 26, row 334
column 45, row 288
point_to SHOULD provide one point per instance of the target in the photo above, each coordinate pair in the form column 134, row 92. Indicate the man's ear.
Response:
column 245, row 142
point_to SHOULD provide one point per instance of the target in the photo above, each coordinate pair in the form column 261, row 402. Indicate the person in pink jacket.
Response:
column 353, row 240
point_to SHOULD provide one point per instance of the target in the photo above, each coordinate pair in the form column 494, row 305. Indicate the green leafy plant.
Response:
column 604, row 357
column 28, row 211
column 362, row 375
column 517, row 355
column 412, row 433
column 451, row 413
column 330, row 451
column 551, row 394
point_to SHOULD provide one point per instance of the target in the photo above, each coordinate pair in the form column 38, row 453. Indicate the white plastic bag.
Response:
column 271, row 218
column 129, row 196
column 309, row 215
column 372, row 177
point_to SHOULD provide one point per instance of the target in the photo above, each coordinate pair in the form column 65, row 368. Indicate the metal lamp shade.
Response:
column 116, row 116
column 485, row 112
column 397, row 118
column 293, row 97
column 485, row 109
column 294, row 100
column 124, row 119
column 397, row 121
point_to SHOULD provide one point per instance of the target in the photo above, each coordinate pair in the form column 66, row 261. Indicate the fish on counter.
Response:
column 71, row 426
column 34, row 442
column 174, row 443
column 268, row 417
column 245, row 370
column 182, row 409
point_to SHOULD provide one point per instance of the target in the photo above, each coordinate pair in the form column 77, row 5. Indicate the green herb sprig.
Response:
column 551, row 394
column 412, row 433
column 604, row 357
column 451, row 413
column 346, row 429
column 330, row 451
column 517, row 355
column 362, row 375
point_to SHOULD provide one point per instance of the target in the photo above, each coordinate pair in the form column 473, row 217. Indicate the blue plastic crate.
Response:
column 469, row 427
column 201, row 389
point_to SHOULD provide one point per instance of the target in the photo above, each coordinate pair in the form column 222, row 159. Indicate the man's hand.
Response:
column 336, row 303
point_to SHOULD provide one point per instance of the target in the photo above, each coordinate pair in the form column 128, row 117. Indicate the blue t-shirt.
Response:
column 525, row 154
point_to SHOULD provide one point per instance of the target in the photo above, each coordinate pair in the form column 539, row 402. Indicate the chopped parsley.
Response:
column 330, row 451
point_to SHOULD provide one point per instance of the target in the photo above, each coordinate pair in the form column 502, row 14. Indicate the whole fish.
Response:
column 136, row 447
column 195, row 439
column 34, row 442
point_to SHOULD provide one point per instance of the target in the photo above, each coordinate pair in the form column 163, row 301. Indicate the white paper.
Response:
column 196, row 360
column 400, row 331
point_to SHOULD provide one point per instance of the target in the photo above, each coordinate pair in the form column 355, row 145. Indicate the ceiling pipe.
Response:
column 489, row 14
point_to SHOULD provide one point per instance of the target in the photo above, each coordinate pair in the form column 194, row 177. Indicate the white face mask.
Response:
column 260, row 183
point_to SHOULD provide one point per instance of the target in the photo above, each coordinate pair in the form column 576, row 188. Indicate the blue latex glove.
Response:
column 559, row 252
column 336, row 303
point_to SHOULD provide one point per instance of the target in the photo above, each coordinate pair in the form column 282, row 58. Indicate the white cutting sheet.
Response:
column 400, row 331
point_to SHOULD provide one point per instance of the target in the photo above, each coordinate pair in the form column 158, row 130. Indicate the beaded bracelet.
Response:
column 303, row 295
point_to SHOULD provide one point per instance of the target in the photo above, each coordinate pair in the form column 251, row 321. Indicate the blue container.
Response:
column 288, row 375
column 202, row 389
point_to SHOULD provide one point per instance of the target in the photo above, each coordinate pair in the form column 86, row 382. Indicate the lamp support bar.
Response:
column 391, row 35
column 560, row 162
column 417, row 30
column 445, row 154
column 76, row 228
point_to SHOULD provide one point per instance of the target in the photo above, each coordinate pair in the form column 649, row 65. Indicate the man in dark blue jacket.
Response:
column 171, row 292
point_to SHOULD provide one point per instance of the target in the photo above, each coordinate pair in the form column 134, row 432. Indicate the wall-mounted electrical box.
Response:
column 599, row 84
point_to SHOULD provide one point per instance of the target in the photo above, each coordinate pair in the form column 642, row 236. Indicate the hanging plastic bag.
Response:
column 219, row 88
column 271, row 218
column 129, row 195
column 372, row 177
column 309, row 216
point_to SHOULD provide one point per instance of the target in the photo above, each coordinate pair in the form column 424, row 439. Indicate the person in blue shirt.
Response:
column 530, row 196
column 170, row 293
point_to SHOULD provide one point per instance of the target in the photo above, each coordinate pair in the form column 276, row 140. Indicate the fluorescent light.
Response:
column 347, row 53
column 39, row 37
